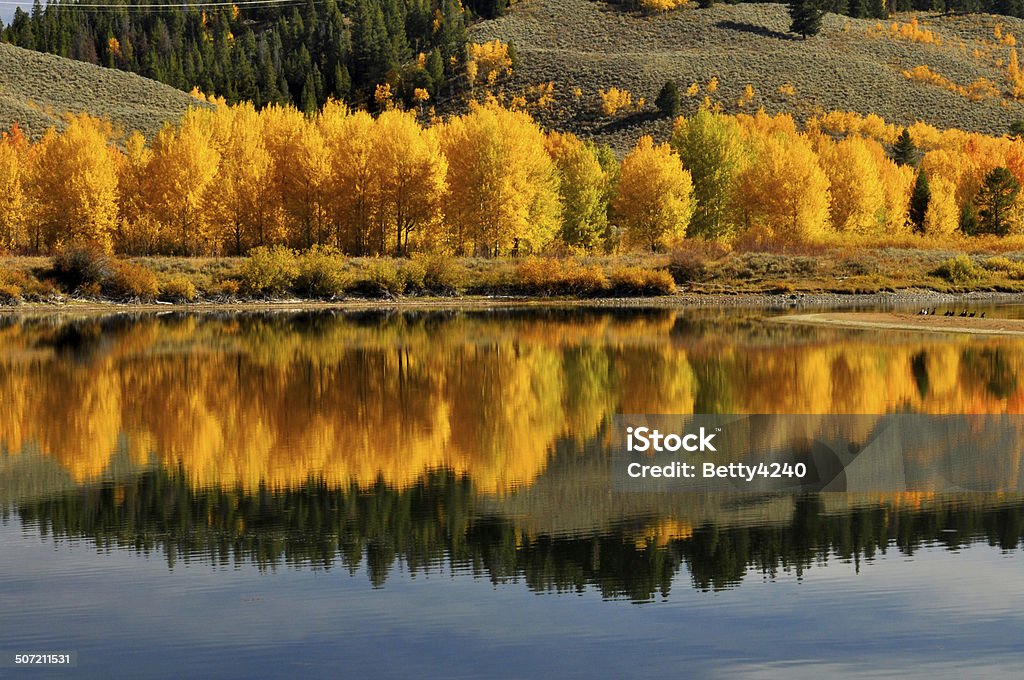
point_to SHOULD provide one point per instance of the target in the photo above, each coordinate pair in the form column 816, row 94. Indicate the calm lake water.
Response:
column 428, row 495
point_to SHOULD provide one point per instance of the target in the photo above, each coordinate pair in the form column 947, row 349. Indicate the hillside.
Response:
column 853, row 64
column 37, row 89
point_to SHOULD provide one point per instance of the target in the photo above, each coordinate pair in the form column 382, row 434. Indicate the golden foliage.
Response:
column 1003, row 37
column 783, row 191
column 75, row 177
column 487, row 62
column 182, row 170
column 614, row 101
column 858, row 194
column 383, row 96
column 980, row 89
column 1014, row 75
column 486, row 399
column 942, row 217
column 241, row 190
column 913, row 32
column 654, row 201
column 412, row 173
column 504, row 188
column 747, row 96
column 228, row 179
column 661, row 5
column 12, row 196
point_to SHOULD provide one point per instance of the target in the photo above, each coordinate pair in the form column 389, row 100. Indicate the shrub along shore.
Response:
column 322, row 274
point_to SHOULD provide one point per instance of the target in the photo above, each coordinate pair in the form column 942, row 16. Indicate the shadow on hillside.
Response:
column 755, row 29
column 635, row 120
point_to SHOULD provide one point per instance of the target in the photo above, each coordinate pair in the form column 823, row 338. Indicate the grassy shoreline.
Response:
column 700, row 274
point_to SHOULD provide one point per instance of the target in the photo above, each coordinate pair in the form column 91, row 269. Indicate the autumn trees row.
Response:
column 231, row 178
column 491, row 182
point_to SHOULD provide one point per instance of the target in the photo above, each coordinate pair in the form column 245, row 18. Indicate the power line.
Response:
column 170, row 5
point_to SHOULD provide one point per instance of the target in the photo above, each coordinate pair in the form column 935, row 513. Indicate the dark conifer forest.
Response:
column 283, row 51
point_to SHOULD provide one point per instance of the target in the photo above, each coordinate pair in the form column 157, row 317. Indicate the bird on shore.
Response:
column 963, row 313
column 983, row 315
column 949, row 312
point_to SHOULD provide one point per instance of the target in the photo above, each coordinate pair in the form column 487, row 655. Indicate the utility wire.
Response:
column 170, row 5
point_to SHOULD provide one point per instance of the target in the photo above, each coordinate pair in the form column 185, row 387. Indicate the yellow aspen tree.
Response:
column 299, row 172
column 137, row 231
column 462, row 230
column 487, row 61
column 183, row 168
column 898, row 182
column 1015, row 158
column 942, row 217
column 583, row 187
column 412, row 173
column 712, row 149
column 1014, row 75
column 12, row 195
column 979, row 154
column 241, row 190
column 762, row 124
column 858, row 196
column 654, row 201
column 76, row 184
column 925, row 136
column 503, row 185
column 353, row 183
column 950, row 166
column 784, row 192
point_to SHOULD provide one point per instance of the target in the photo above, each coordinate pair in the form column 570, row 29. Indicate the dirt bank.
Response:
column 937, row 323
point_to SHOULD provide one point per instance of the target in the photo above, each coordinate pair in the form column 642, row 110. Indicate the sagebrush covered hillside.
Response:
column 853, row 64
column 36, row 90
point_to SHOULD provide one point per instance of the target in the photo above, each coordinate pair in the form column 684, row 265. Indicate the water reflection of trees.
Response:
column 263, row 399
column 433, row 524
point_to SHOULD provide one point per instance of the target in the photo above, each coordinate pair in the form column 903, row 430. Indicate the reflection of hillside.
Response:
column 440, row 522
column 250, row 400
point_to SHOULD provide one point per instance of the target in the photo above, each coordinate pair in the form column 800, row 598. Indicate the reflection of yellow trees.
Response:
column 662, row 532
column 263, row 401
column 251, row 400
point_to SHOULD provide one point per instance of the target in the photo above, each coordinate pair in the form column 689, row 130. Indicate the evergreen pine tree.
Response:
column 20, row 32
column 856, row 9
column 307, row 101
column 668, row 100
column 435, row 67
column 342, row 82
column 919, row 201
column 904, row 151
column 969, row 219
column 806, row 17
column 997, row 203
